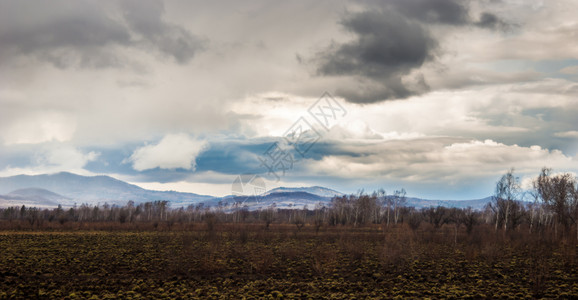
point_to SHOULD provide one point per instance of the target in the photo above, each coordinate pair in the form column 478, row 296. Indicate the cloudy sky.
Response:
column 439, row 97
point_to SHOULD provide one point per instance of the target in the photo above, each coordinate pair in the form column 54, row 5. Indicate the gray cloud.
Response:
column 387, row 47
column 145, row 18
column 391, row 87
column 433, row 11
column 449, row 12
column 491, row 21
column 392, row 42
column 386, row 44
column 250, row 87
column 88, row 34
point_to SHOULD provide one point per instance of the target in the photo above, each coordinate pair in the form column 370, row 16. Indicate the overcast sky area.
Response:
column 439, row 97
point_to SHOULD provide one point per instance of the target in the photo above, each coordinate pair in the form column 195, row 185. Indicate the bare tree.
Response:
column 508, row 191
column 469, row 218
column 456, row 217
column 268, row 215
column 380, row 200
column 319, row 218
column 559, row 195
column 437, row 216
column 414, row 219
column 398, row 200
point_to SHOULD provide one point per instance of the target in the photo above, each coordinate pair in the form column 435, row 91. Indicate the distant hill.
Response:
column 94, row 189
column 299, row 199
column 315, row 190
column 285, row 200
column 32, row 197
column 38, row 193
column 49, row 190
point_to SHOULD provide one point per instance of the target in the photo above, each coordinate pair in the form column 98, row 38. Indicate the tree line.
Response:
column 551, row 203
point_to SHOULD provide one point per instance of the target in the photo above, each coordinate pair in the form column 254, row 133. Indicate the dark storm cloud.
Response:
column 386, row 44
column 392, row 40
column 70, row 33
column 491, row 21
column 387, row 47
column 433, row 11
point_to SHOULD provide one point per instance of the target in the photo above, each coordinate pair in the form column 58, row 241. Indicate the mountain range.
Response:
column 93, row 189
column 67, row 189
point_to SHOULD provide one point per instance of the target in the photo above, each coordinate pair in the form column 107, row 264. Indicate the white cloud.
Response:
column 55, row 157
column 437, row 160
column 172, row 152
column 355, row 129
column 38, row 127
column 271, row 113
column 65, row 157
column 484, row 85
column 541, row 33
column 567, row 134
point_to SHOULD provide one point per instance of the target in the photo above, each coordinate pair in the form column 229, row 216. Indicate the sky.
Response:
column 440, row 97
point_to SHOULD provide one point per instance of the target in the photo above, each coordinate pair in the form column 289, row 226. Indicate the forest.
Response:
column 552, row 204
